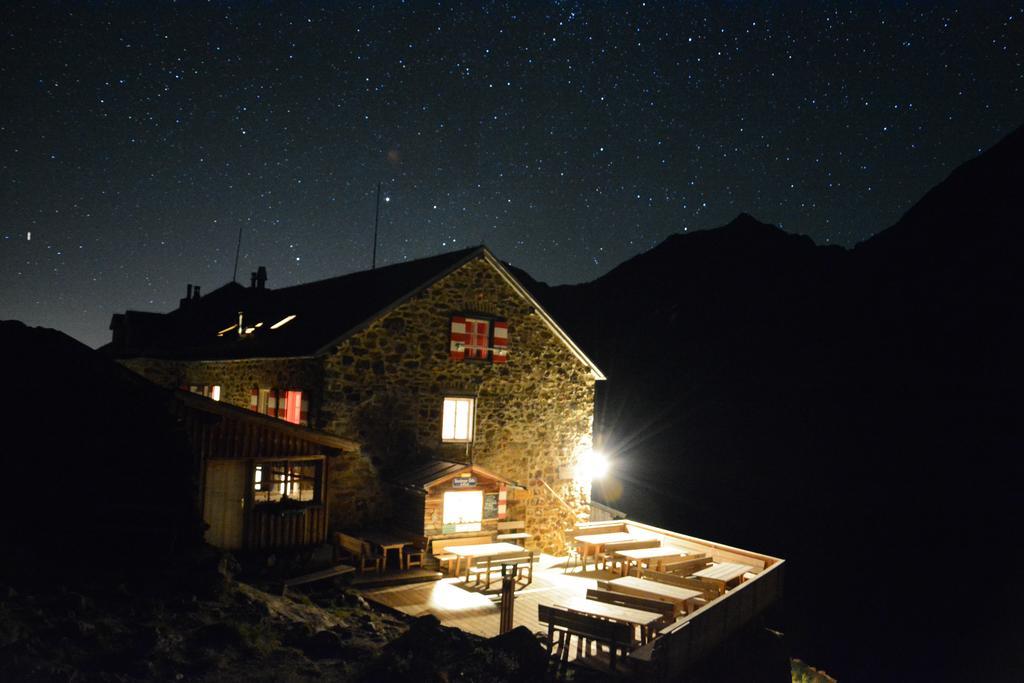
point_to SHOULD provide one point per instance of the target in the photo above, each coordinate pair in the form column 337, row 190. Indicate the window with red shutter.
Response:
column 478, row 336
column 478, row 339
column 207, row 390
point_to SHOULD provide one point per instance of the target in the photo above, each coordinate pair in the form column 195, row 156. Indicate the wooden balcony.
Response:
column 704, row 624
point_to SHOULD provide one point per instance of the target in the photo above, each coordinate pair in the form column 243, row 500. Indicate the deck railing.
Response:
column 697, row 634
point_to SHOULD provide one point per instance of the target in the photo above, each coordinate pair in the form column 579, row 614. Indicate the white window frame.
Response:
column 458, row 426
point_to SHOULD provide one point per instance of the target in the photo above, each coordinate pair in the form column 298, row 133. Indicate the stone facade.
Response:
column 353, row 483
column 534, row 414
column 384, row 387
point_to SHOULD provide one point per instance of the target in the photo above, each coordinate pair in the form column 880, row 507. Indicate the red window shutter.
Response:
column 272, row 403
column 499, row 354
column 282, row 404
column 503, row 502
column 254, row 399
column 457, row 346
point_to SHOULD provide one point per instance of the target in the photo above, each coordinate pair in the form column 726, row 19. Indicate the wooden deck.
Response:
column 714, row 618
column 477, row 612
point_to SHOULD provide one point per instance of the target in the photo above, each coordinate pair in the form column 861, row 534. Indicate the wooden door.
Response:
column 224, row 502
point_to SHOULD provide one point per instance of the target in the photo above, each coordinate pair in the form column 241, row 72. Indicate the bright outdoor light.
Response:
column 599, row 464
column 593, row 464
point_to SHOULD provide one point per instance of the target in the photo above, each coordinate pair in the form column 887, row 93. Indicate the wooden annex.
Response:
column 261, row 480
column 424, row 499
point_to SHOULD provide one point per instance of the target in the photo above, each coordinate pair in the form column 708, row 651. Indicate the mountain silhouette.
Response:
column 855, row 411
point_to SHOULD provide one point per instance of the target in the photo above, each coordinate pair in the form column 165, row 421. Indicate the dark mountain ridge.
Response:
column 832, row 406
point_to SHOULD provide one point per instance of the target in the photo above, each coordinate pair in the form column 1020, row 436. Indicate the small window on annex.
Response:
column 464, row 510
column 297, row 480
column 457, row 419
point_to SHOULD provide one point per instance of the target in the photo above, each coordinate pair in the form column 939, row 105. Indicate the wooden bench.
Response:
column 608, row 551
column 686, row 565
column 666, row 609
column 412, row 554
column 709, row 590
column 591, row 529
column 361, row 552
column 491, row 566
column 588, row 630
column 438, row 546
column 512, row 531
column 331, row 572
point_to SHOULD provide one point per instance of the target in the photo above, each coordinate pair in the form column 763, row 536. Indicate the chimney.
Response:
column 187, row 300
column 195, row 292
column 258, row 280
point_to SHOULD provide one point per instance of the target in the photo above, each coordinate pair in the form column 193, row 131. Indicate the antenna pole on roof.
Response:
column 238, row 249
column 376, row 223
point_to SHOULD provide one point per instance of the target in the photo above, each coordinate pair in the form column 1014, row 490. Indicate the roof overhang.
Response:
column 437, row 472
column 544, row 315
column 208, row 405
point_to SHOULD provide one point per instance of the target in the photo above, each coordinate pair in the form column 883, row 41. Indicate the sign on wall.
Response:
column 491, row 506
column 463, row 482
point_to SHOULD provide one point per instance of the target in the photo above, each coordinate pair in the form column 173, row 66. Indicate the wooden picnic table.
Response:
column 386, row 541
column 655, row 556
column 682, row 598
column 491, row 551
column 724, row 573
column 637, row 617
column 591, row 543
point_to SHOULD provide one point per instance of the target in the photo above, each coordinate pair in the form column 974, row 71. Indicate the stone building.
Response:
column 446, row 358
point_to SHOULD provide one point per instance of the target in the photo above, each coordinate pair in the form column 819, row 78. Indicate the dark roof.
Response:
column 423, row 476
column 325, row 311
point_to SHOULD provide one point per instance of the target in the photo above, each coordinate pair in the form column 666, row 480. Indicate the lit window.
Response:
column 282, row 322
column 298, row 480
column 457, row 420
column 289, row 405
column 207, row 390
column 463, row 509
column 293, row 406
column 478, row 338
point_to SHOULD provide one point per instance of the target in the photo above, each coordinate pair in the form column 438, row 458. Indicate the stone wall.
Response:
column 353, row 484
column 235, row 377
column 384, row 388
column 385, row 385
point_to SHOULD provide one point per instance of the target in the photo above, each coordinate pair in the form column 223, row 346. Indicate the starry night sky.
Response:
column 136, row 138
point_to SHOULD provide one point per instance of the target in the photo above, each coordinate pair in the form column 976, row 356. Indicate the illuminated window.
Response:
column 207, row 390
column 292, row 406
column 478, row 339
column 463, row 509
column 288, row 405
column 282, row 322
column 296, row 480
column 457, row 420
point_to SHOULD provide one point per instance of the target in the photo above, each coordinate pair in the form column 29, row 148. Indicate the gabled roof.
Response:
column 326, row 312
column 436, row 472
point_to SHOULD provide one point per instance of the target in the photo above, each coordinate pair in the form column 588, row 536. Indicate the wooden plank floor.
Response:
column 477, row 612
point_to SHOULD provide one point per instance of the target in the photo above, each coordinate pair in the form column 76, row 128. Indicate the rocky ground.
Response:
column 209, row 627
